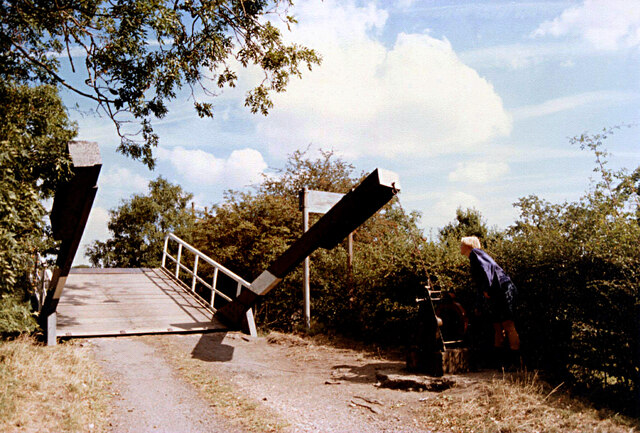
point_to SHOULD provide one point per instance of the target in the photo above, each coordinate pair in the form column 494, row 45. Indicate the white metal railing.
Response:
column 195, row 278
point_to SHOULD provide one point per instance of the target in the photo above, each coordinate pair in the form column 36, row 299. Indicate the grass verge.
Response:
column 227, row 402
column 517, row 402
column 50, row 389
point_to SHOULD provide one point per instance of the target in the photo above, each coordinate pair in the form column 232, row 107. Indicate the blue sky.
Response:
column 470, row 102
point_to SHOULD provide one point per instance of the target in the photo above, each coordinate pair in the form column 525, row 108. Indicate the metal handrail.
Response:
column 194, row 272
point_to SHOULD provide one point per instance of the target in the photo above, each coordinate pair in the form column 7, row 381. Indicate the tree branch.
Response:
column 56, row 76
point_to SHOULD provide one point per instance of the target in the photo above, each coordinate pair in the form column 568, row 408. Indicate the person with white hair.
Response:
column 495, row 286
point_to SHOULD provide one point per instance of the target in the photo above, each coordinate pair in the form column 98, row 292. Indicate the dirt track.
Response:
column 311, row 388
column 148, row 394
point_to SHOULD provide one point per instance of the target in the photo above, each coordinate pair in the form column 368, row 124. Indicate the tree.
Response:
column 576, row 266
column 138, row 54
column 247, row 231
column 467, row 223
column 34, row 133
column 138, row 227
column 325, row 173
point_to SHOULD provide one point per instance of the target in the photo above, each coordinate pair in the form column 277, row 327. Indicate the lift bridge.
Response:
column 190, row 292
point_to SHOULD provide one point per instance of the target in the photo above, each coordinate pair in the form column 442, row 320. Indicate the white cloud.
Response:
column 570, row 102
column 606, row 24
column 478, row 172
column 243, row 167
column 194, row 165
column 335, row 22
column 444, row 209
column 439, row 208
column 483, row 10
column 416, row 98
column 122, row 179
column 96, row 229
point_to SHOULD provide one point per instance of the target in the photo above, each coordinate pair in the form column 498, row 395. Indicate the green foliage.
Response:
column 467, row 223
column 138, row 54
column 576, row 265
column 577, row 268
column 138, row 227
column 578, row 278
column 249, row 230
column 326, row 173
column 389, row 273
column 16, row 316
column 34, row 132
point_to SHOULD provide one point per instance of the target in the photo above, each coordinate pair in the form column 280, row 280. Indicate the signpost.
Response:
column 352, row 210
column 316, row 202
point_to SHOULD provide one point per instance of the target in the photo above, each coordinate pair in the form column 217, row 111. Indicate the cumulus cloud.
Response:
column 242, row 168
column 606, row 24
column 448, row 204
column 96, row 229
column 96, row 225
column 123, row 179
column 414, row 98
column 478, row 172
column 438, row 208
column 443, row 210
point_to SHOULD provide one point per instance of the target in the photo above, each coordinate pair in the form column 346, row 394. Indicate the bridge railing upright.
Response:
column 198, row 256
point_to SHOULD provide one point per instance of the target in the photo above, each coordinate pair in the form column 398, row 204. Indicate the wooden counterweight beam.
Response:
column 71, row 207
column 348, row 214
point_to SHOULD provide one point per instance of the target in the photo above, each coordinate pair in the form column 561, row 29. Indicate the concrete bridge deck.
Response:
column 98, row 302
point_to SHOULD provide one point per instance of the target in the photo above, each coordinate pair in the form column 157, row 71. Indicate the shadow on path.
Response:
column 210, row 348
column 363, row 373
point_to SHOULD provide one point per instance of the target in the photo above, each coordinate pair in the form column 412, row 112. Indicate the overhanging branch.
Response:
column 56, row 77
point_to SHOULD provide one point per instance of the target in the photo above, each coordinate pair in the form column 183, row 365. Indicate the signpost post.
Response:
column 316, row 202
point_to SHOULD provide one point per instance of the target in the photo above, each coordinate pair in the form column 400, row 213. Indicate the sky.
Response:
column 471, row 103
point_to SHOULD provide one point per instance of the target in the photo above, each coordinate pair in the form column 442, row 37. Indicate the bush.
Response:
column 16, row 316
column 577, row 269
column 249, row 230
column 34, row 133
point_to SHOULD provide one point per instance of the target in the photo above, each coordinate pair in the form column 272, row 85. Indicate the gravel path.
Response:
column 316, row 389
column 149, row 395
column 296, row 385
column 312, row 388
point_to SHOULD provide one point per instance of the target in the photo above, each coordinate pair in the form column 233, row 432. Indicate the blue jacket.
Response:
column 487, row 274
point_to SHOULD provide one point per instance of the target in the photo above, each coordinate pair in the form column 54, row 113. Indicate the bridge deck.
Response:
column 128, row 301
